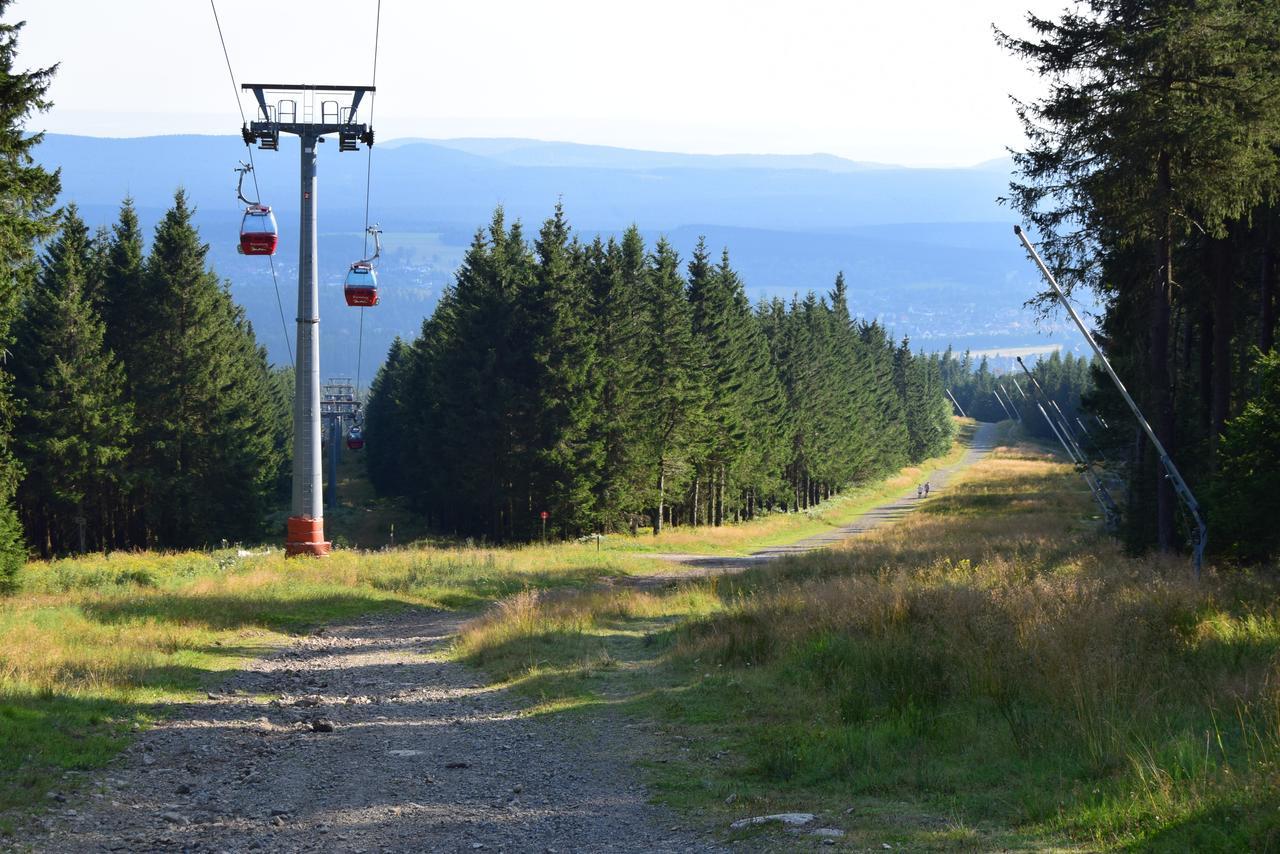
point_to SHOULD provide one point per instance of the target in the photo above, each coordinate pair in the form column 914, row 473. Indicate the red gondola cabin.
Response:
column 355, row 439
column 258, row 233
column 361, row 288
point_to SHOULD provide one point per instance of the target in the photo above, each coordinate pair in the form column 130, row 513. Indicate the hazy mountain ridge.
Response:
column 426, row 182
column 532, row 152
column 928, row 250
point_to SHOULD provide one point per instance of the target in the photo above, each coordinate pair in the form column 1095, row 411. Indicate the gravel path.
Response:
column 363, row 738
column 701, row 566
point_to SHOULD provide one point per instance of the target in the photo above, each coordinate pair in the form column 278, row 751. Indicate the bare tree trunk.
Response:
column 697, row 482
column 662, row 491
column 719, row 497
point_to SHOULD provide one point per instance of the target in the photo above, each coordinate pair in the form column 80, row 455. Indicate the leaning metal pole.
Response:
column 1009, row 400
column 306, row 523
column 1180, row 486
column 1002, row 406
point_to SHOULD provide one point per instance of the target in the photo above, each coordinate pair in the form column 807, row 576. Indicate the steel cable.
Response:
column 368, row 182
column 275, row 282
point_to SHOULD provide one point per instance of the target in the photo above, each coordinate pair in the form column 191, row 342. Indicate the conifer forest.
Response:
column 613, row 386
column 1152, row 172
column 148, row 415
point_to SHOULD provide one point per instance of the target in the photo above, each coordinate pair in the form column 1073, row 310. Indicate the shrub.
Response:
column 1246, row 492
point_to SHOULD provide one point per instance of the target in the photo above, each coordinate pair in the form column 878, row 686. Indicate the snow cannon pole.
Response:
column 1171, row 470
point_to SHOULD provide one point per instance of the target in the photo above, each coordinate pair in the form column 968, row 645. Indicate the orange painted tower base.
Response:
column 306, row 537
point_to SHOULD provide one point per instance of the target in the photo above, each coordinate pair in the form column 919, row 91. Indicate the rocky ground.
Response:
column 363, row 738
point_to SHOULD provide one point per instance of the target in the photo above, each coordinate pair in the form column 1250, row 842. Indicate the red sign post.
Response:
column 545, row 514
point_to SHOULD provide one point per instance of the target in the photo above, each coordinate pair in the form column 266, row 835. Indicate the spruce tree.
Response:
column 671, row 387
column 568, row 384
column 857, row 452
column 757, row 469
column 616, row 275
column 1158, row 136
column 29, row 191
column 417, row 435
column 474, row 390
column 206, row 458
column 385, row 420
column 465, row 462
column 122, row 283
column 891, row 432
column 723, row 332
column 773, row 323
column 1248, row 480
column 76, row 422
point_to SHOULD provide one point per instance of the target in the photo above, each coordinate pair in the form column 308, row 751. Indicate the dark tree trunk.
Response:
column 1158, row 368
column 662, row 491
column 1223, row 284
column 1266, row 336
column 1205, row 368
column 720, row 497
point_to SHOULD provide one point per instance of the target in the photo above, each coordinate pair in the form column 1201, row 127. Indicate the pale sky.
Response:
column 915, row 82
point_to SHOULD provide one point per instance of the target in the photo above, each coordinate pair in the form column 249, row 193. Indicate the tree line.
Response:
column 1151, row 176
column 1064, row 385
column 612, row 387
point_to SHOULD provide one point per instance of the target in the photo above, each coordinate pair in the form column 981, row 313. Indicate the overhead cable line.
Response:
column 275, row 283
column 368, row 181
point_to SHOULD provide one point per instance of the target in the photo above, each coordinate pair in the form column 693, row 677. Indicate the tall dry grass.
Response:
column 994, row 652
column 1000, row 616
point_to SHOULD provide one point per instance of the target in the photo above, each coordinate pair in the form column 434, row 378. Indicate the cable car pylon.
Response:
column 310, row 122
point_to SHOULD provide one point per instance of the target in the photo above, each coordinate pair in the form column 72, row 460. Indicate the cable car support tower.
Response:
column 321, row 115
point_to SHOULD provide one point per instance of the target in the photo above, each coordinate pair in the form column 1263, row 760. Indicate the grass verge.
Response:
column 989, row 673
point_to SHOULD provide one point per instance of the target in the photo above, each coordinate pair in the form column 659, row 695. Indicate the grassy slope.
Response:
column 91, row 649
column 989, row 673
